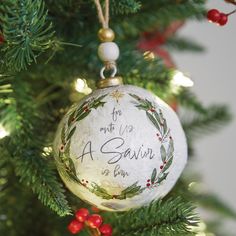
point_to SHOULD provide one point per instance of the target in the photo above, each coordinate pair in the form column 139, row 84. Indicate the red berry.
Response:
column 95, row 209
column 213, row 15
column 223, row 19
column 161, row 167
column 75, row 226
column 148, row 180
column 62, row 147
column 82, row 214
column 148, row 185
column 106, row 229
column 94, row 221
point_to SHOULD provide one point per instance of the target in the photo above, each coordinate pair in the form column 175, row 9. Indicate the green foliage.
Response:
column 26, row 32
column 34, row 97
column 171, row 217
column 125, row 6
column 200, row 124
column 215, row 204
column 188, row 100
column 27, row 156
column 183, row 44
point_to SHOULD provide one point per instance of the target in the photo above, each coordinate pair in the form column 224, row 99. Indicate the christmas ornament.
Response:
column 121, row 147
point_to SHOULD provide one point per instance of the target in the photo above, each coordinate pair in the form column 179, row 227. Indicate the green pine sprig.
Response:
column 170, row 218
column 27, row 33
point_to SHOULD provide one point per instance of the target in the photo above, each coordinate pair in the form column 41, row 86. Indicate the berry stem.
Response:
column 232, row 12
column 92, row 232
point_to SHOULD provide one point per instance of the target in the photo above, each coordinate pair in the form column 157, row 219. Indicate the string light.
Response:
column 47, row 151
column 82, row 87
column 3, row 132
column 179, row 79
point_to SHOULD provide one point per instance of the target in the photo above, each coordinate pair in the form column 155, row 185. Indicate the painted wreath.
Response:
column 66, row 165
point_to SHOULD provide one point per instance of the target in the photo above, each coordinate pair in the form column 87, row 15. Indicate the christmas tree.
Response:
column 49, row 61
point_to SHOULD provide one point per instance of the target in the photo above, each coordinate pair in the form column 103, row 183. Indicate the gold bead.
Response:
column 149, row 56
column 106, row 35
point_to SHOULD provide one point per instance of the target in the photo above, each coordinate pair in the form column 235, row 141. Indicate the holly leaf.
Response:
column 71, row 117
column 154, row 175
column 142, row 107
column 101, row 192
column 157, row 117
column 148, row 103
column 163, row 153
column 136, row 97
column 83, row 115
column 72, row 166
column 126, row 190
column 71, row 133
column 168, row 164
column 163, row 177
column 101, row 97
column 165, row 127
column 63, row 136
column 170, row 148
column 153, row 120
column 67, row 149
column 98, row 104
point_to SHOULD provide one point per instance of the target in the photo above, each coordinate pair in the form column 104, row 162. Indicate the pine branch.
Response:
column 21, row 114
column 159, row 14
column 216, row 117
column 215, row 204
column 183, row 44
column 125, row 6
column 17, row 201
column 188, row 100
column 27, row 33
column 152, row 75
column 170, row 217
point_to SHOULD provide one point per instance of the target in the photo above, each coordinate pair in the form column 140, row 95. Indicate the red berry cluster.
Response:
column 94, row 221
column 217, row 17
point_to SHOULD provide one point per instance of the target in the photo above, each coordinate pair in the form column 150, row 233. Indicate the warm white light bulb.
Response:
column 3, row 132
column 179, row 79
column 79, row 85
column 82, row 87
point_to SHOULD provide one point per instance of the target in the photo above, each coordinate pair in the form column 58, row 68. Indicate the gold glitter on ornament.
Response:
column 117, row 95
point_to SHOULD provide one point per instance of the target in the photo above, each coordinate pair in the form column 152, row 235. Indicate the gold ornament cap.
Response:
column 110, row 82
column 106, row 35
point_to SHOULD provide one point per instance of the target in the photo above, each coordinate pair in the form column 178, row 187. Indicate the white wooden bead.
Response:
column 108, row 51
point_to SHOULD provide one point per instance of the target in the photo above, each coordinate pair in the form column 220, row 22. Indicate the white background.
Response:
column 215, row 82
